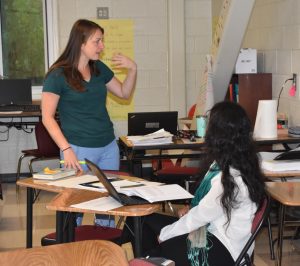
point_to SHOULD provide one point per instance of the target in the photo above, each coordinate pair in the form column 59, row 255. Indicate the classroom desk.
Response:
column 287, row 194
column 137, row 153
column 30, row 184
column 20, row 120
column 280, row 175
column 63, row 201
column 276, row 176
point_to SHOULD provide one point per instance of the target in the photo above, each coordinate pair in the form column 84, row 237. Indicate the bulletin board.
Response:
column 118, row 38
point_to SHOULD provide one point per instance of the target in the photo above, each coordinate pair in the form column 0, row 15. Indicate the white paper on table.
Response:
column 158, row 193
column 268, row 163
column 100, row 204
column 74, row 181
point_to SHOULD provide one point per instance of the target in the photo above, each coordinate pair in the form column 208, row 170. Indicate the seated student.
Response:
column 217, row 225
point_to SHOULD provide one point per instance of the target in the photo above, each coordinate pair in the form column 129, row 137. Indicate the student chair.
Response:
column 46, row 149
column 261, row 215
column 168, row 172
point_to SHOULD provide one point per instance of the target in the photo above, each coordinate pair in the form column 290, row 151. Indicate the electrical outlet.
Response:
column 102, row 13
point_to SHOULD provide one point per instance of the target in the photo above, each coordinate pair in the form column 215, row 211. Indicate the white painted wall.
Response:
column 171, row 38
column 274, row 30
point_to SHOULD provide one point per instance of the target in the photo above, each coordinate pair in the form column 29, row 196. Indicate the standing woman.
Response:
column 77, row 84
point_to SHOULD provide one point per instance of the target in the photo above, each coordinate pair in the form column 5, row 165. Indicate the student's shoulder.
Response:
column 217, row 178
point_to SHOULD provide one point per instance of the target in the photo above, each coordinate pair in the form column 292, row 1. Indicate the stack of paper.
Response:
column 268, row 163
column 158, row 137
column 53, row 174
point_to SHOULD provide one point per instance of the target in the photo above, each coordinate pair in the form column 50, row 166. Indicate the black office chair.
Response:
column 46, row 149
column 259, row 218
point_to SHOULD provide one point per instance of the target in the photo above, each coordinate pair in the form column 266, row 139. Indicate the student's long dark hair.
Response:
column 69, row 59
column 229, row 142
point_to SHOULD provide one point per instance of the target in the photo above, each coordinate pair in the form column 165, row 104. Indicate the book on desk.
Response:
column 54, row 174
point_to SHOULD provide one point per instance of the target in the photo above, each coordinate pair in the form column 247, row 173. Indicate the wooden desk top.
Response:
column 271, row 174
column 287, row 193
column 177, row 144
column 282, row 137
column 38, row 184
column 68, row 197
column 72, row 196
column 89, row 252
column 42, row 184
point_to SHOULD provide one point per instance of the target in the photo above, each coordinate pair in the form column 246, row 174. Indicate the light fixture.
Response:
column 292, row 91
column 293, row 88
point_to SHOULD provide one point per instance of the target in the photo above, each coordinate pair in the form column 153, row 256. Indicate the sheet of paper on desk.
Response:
column 116, row 184
column 74, row 181
column 158, row 137
column 267, row 163
column 158, row 193
column 100, row 204
column 119, row 184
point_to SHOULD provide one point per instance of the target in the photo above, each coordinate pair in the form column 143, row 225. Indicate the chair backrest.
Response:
column 192, row 111
column 92, row 252
column 260, row 216
column 45, row 144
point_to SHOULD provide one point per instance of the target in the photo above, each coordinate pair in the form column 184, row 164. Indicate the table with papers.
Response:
column 74, row 197
column 135, row 154
column 268, row 163
column 31, row 184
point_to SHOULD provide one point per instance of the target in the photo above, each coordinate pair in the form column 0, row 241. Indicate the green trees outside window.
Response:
column 22, row 31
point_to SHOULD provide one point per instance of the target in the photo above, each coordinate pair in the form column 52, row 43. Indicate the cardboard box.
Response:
column 247, row 61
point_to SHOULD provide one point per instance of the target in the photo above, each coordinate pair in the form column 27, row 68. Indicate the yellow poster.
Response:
column 118, row 38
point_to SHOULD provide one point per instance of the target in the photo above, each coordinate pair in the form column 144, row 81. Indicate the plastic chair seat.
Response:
column 87, row 232
column 178, row 171
column 37, row 153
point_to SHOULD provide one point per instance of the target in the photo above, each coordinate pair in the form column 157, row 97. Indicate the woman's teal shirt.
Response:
column 83, row 115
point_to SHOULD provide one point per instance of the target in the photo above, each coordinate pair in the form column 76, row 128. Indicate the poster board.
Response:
column 118, row 38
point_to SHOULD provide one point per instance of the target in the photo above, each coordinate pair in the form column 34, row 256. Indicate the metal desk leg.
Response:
column 71, row 227
column 270, row 238
column 280, row 234
column 29, row 217
column 137, row 225
column 59, row 226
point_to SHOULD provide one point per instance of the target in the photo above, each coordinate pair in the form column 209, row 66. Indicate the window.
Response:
column 22, row 32
column 28, row 39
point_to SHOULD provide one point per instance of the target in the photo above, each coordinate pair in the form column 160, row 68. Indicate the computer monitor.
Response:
column 142, row 123
column 15, row 91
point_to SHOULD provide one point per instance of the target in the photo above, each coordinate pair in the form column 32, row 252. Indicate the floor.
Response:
column 13, row 224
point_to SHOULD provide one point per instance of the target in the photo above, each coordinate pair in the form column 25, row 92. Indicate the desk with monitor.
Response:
column 19, row 119
column 136, row 154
